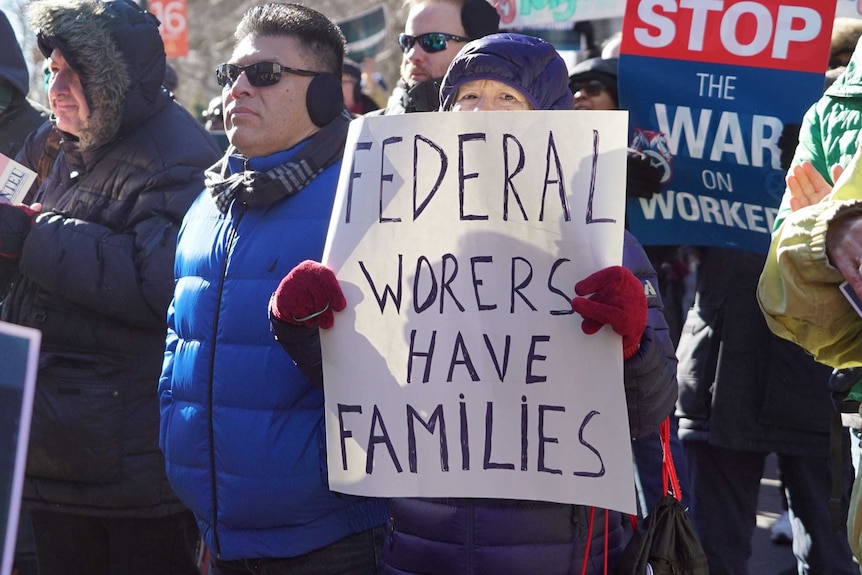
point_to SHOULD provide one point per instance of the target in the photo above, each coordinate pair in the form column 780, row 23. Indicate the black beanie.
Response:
column 479, row 18
column 602, row 69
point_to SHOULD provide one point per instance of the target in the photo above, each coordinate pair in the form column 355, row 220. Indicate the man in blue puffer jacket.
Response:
column 242, row 428
column 495, row 536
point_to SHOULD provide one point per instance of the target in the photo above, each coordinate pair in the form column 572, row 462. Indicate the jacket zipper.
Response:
column 230, row 245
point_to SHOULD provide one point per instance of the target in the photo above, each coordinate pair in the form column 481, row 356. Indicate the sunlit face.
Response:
column 488, row 95
column 264, row 120
column 587, row 97
column 417, row 64
column 66, row 96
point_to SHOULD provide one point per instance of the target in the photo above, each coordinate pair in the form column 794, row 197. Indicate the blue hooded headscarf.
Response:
column 527, row 64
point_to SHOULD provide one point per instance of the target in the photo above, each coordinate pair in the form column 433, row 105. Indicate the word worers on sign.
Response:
column 457, row 239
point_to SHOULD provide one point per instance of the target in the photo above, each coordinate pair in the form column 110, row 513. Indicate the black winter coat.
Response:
column 741, row 387
column 96, row 275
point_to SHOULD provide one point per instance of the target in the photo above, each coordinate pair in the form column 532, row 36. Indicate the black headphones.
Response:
column 324, row 99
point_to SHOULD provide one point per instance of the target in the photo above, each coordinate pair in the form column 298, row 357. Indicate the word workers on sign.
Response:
column 779, row 35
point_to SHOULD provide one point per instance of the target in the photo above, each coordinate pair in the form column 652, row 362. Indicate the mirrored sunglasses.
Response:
column 431, row 42
column 592, row 88
column 260, row 74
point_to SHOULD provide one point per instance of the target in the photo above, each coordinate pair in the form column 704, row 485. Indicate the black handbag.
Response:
column 664, row 542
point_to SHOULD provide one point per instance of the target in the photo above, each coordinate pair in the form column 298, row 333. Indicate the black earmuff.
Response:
column 324, row 99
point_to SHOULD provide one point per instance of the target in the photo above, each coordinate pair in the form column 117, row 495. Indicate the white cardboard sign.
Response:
column 15, row 180
column 458, row 368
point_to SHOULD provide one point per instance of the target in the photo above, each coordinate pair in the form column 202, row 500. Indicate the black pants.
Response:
column 80, row 545
column 357, row 554
column 725, row 484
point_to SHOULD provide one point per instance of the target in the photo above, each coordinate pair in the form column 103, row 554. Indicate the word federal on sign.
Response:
column 458, row 368
column 713, row 121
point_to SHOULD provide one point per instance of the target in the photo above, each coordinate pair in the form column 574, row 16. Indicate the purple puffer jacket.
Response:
column 510, row 537
column 500, row 536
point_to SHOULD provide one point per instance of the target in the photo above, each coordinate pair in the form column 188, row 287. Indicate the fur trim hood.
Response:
column 116, row 50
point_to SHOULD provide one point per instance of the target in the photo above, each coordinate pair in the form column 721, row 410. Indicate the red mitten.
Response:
column 618, row 299
column 308, row 296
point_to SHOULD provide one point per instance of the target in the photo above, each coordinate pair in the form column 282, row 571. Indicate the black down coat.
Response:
column 96, row 272
column 740, row 386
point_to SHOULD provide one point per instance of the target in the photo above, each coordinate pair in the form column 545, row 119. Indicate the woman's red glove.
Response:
column 618, row 299
column 308, row 296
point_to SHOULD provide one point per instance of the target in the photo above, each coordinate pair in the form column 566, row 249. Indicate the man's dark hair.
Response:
column 321, row 39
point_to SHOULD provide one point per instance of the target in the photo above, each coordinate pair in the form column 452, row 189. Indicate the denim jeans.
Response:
column 357, row 554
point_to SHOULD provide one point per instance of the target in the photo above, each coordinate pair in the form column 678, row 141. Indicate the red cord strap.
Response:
column 668, row 469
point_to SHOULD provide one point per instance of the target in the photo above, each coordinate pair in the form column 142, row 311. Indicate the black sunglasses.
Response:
column 431, row 41
column 260, row 74
column 592, row 88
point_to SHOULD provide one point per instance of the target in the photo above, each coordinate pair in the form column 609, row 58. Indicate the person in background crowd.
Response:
column 826, row 140
column 611, row 46
column 213, row 118
column 818, row 236
column 845, row 35
column 745, row 393
column 434, row 32
column 93, row 255
column 171, row 80
column 242, row 427
column 355, row 99
column 19, row 116
column 373, row 84
column 509, row 537
column 593, row 83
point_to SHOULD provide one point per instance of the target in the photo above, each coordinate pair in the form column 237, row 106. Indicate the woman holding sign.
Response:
column 455, row 536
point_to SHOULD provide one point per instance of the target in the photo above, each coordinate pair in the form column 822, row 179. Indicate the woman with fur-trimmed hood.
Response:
column 120, row 163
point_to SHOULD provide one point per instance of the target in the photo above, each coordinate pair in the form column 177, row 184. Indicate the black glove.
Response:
column 15, row 224
column 643, row 180
column 787, row 143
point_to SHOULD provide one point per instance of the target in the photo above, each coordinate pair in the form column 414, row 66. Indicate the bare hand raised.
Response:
column 806, row 186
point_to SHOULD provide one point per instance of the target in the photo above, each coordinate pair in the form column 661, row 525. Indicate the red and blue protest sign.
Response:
column 710, row 86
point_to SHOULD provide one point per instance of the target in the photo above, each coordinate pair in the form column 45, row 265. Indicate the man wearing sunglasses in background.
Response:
column 434, row 32
column 242, row 427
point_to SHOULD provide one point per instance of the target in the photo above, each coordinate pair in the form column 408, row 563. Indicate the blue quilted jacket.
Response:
column 242, row 429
